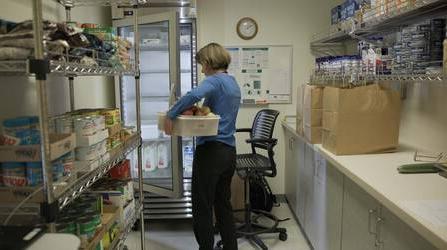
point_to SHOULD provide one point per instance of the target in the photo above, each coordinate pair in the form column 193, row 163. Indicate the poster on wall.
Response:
column 264, row 73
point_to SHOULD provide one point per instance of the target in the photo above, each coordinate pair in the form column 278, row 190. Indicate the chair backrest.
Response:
column 263, row 126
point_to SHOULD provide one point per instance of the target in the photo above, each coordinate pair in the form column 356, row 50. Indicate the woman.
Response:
column 215, row 156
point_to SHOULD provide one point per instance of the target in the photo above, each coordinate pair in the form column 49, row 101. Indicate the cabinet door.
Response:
column 317, row 225
column 300, row 148
column 359, row 217
column 310, row 199
column 397, row 235
column 291, row 171
column 334, row 205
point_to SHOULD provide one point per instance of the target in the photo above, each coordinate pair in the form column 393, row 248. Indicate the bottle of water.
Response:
column 187, row 158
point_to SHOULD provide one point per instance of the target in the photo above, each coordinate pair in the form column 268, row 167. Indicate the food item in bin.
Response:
column 197, row 111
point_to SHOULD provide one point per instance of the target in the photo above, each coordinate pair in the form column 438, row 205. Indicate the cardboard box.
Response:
column 60, row 144
column 313, row 117
column 299, row 125
column 128, row 212
column 313, row 134
column 85, row 141
column 312, row 113
column 313, row 97
column 361, row 120
column 17, row 194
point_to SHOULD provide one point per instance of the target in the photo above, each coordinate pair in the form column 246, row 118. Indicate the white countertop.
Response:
column 377, row 174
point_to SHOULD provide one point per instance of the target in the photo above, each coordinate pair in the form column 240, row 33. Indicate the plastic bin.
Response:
column 186, row 125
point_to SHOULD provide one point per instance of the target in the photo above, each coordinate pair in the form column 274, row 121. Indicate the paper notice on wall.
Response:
column 253, row 88
column 432, row 211
column 235, row 65
column 254, row 59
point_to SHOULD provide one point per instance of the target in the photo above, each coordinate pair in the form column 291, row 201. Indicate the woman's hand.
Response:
column 168, row 126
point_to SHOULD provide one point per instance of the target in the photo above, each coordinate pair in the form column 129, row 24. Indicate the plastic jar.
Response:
column 14, row 174
column 34, row 175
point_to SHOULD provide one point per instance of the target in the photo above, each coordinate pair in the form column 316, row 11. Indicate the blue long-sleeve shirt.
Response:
column 222, row 94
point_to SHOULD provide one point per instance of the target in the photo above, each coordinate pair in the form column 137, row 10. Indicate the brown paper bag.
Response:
column 361, row 120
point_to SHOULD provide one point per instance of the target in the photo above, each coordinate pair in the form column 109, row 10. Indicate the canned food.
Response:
column 87, row 228
column 91, row 152
column 64, row 125
column 85, row 126
column 112, row 116
column 34, row 174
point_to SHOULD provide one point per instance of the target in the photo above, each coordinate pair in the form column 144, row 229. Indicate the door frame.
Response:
column 174, row 83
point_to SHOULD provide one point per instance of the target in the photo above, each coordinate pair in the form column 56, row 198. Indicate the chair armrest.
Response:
column 262, row 140
column 248, row 130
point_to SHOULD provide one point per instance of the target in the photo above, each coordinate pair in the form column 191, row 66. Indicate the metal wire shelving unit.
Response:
column 54, row 198
column 382, row 19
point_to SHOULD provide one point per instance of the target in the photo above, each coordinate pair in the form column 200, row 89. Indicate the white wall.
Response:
column 18, row 94
column 424, row 117
column 281, row 22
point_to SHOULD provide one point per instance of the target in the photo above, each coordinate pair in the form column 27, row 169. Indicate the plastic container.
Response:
column 14, row 174
column 192, row 125
column 34, row 176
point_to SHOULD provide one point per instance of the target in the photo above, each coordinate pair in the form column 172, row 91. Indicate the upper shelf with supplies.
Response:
column 386, row 16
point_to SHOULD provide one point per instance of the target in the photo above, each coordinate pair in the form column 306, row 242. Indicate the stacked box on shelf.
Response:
column 20, row 153
column 312, row 113
column 119, row 193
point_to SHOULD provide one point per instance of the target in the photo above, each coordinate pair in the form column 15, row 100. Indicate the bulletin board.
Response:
column 264, row 73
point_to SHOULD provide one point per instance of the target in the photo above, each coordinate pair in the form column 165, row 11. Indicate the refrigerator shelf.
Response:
column 20, row 67
column 86, row 180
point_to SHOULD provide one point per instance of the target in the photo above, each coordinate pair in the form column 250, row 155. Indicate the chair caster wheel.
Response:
column 283, row 236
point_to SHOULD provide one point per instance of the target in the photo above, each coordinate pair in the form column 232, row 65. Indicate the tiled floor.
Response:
column 178, row 235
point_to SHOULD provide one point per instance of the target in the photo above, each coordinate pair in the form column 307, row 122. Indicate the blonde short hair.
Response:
column 214, row 55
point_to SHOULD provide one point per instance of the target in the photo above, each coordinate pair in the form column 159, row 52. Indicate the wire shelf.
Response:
column 382, row 18
column 20, row 67
column 430, row 157
column 73, row 3
column 85, row 181
column 359, row 79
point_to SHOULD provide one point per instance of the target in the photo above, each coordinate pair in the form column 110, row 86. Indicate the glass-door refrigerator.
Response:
column 167, row 68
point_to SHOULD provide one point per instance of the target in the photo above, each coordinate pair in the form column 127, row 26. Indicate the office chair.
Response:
column 254, row 165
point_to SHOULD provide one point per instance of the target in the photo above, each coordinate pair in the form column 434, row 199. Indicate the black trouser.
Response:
column 213, row 169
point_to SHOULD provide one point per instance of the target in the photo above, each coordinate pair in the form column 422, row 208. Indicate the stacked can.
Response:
column 82, row 218
column 112, row 118
column 418, row 49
